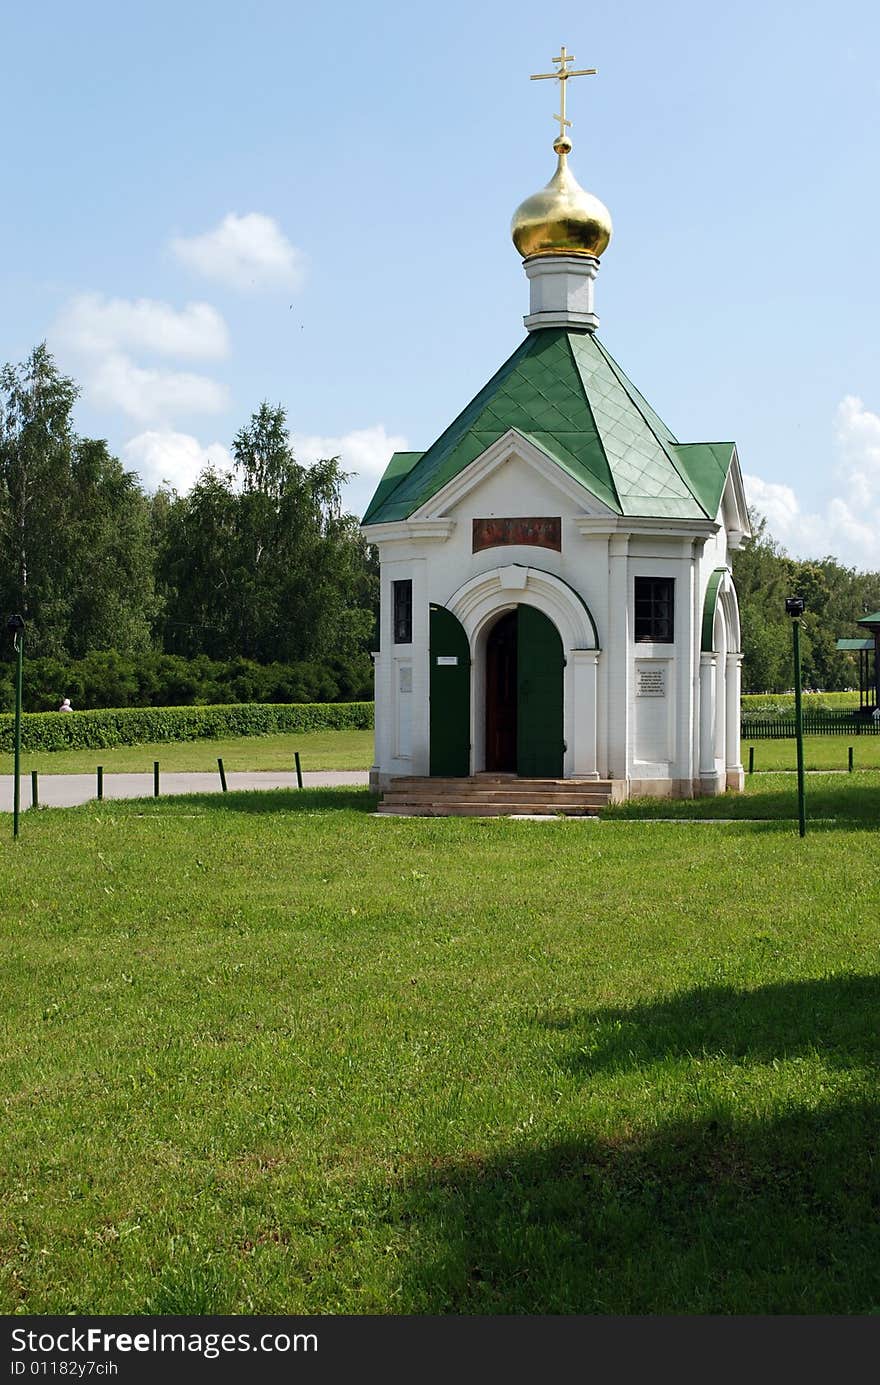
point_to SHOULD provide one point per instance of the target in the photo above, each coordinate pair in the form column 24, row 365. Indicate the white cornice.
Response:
column 406, row 530
column 591, row 527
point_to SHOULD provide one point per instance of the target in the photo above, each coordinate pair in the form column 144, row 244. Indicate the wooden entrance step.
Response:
column 495, row 795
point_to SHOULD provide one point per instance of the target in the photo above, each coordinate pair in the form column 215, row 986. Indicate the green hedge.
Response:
column 782, row 704
column 99, row 730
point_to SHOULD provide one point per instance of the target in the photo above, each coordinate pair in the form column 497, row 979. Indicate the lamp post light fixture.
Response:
column 15, row 627
column 794, row 607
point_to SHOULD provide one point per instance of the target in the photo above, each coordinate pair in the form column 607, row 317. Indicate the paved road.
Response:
column 67, row 790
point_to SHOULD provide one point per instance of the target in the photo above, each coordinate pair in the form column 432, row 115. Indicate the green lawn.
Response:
column 267, row 1053
column 840, row 798
column 318, row 750
column 354, row 750
column 820, row 752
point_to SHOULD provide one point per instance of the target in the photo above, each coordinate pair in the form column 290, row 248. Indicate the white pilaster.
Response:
column 585, row 665
column 561, row 291
column 686, row 674
column 734, row 768
column 618, row 624
column 421, row 700
column 707, row 721
column 382, row 724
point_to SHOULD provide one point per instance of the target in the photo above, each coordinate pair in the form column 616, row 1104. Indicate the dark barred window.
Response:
column 655, row 597
column 402, row 612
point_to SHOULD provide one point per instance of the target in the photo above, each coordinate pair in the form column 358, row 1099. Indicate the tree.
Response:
column 262, row 563
column 835, row 596
column 74, row 526
column 109, row 556
column 762, row 573
column 36, row 442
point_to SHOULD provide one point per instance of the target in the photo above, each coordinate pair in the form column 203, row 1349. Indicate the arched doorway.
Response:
column 524, row 695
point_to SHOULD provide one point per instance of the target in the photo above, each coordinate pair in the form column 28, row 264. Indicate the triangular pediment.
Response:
column 532, row 478
column 734, row 510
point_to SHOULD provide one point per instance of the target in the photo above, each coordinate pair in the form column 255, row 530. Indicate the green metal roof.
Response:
column 401, row 465
column 855, row 644
column 873, row 619
column 565, row 393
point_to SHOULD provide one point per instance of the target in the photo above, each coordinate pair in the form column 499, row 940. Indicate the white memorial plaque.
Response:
column 447, row 660
column 651, row 682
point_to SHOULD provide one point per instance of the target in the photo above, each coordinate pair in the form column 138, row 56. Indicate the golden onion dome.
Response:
column 561, row 219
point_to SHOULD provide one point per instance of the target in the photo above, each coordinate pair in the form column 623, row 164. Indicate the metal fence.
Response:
column 759, row 727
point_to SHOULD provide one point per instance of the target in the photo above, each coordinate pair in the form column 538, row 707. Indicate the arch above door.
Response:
column 482, row 597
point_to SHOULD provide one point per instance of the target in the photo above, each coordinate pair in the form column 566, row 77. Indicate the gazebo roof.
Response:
column 563, row 391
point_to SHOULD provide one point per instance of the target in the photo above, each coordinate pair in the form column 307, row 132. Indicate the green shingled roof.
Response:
column 563, row 392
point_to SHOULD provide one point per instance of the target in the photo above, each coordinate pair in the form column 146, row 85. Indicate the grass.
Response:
column 266, row 1053
column 820, row 752
column 847, row 800
column 354, row 750
column 318, row 750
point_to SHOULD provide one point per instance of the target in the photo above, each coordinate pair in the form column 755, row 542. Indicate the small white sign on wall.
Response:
column 651, row 682
column 447, row 660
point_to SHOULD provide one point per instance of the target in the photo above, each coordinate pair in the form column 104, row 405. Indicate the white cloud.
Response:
column 175, row 458
column 152, row 396
column 858, row 442
column 366, row 451
column 98, row 334
column 849, row 528
column 93, row 325
column 244, row 252
column 777, row 503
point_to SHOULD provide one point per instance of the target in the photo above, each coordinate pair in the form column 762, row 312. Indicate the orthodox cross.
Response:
column 562, row 77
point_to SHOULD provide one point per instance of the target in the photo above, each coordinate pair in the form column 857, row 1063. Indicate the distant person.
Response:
column 65, row 706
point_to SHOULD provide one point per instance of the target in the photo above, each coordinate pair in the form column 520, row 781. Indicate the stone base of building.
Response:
column 664, row 788
column 708, row 785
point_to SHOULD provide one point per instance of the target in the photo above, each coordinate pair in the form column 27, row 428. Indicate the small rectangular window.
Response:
column 655, row 603
column 402, row 612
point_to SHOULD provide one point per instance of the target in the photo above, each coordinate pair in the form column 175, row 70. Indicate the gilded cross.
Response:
column 562, row 77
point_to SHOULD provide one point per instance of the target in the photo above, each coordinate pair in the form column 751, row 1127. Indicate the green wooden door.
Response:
column 539, row 696
column 450, row 688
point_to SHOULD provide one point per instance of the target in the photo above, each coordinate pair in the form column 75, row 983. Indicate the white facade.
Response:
column 655, row 718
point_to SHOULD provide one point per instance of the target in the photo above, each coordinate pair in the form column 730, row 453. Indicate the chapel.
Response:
column 557, row 602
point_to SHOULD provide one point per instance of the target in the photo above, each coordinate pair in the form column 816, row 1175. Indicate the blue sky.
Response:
column 206, row 205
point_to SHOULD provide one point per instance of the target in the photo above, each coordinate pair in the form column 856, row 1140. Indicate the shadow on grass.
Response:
column 715, row 1216
column 265, row 801
column 835, row 1017
column 850, row 804
column 722, row 1214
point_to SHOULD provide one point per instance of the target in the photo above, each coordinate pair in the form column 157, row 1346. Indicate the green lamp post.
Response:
column 794, row 607
column 15, row 626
